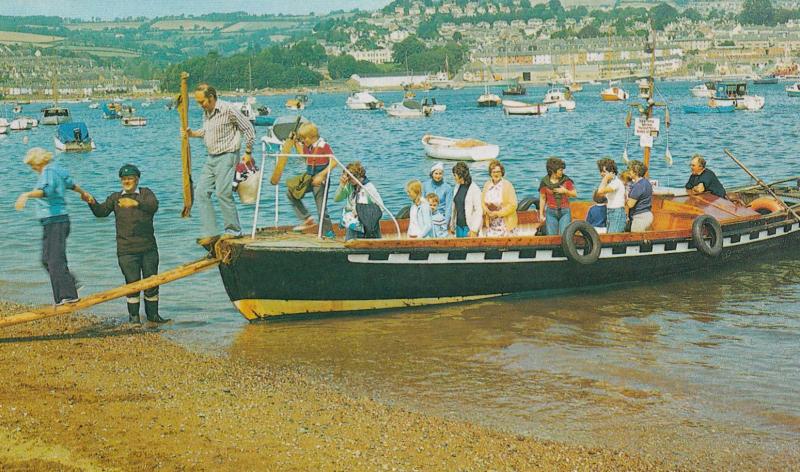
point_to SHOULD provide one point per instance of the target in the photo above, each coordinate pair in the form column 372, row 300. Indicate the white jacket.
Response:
column 472, row 207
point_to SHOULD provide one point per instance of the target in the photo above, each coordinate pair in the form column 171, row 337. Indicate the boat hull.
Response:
column 446, row 148
column 264, row 280
column 74, row 147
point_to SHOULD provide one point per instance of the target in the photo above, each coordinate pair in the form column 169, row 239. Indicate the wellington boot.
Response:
column 133, row 313
column 151, row 309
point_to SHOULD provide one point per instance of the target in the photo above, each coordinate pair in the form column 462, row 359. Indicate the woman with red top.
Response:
column 555, row 190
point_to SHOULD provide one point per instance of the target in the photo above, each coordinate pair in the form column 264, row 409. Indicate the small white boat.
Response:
column 614, row 94
column 702, row 91
column 3, row 129
column 489, row 99
column 751, row 103
column 73, row 137
column 363, row 101
column 20, row 124
column 146, row 103
column 513, row 107
column 558, row 100
column 408, row 109
column 55, row 116
column 94, row 105
column 468, row 149
column 134, row 121
column 793, row 90
column 33, row 122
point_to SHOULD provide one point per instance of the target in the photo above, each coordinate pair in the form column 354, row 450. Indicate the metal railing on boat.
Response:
column 276, row 155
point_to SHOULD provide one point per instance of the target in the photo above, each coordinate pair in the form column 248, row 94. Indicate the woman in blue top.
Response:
column 640, row 199
column 50, row 191
column 442, row 189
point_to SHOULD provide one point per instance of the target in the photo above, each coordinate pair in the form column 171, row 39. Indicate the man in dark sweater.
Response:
column 703, row 180
column 137, row 251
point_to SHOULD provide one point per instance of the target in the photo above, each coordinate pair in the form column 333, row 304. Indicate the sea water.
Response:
column 702, row 370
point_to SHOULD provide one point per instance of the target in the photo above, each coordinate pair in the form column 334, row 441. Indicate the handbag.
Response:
column 369, row 214
column 247, row 181
column 299, row 185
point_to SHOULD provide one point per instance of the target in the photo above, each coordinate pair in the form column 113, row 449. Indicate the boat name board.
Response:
column 647, row 127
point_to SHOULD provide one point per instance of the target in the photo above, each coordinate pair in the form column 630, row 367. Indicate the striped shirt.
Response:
column 223, row 127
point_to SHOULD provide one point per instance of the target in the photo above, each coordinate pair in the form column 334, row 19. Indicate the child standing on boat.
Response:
column 438, row 220
column 137, row 251
column 442, row 189
column 419, row 219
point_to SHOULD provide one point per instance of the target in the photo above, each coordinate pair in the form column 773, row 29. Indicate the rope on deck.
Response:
column 179, row 272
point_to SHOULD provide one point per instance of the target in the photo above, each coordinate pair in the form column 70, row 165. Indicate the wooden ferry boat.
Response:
column 283, row 273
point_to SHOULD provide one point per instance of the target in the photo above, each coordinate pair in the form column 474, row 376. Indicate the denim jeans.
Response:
column 556, row 220
column 217, row 177
column 615, row 218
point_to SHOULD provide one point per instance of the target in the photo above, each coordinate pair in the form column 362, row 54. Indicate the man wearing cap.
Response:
column 222, row 131
column 137, row 251
column 437, row 185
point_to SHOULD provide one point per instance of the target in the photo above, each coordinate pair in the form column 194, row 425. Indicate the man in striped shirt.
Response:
column 222, row 131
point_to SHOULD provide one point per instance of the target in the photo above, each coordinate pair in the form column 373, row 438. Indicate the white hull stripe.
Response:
column 546, row 255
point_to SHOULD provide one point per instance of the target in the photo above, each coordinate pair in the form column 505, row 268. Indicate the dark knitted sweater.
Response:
column 134, row 225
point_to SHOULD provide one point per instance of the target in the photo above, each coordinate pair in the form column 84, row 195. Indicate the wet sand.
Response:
column 79, row 393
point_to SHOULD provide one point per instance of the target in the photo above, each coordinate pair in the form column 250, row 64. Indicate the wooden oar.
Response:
column 763, row 185
column 150, row 282
column 286, row 149
column 186, row 151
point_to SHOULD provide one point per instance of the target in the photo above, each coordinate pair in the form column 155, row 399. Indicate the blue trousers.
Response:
column 556, row 220
column 217, row 178
column 54, row 260
column 616, row 220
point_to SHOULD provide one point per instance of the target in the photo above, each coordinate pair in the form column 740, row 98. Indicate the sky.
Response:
column 110, row 9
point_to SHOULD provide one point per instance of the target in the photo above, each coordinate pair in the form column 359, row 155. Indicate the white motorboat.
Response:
column 558, row 100
column 488, row 99
column 735, row 92
column 55, row 116
column 702, row 91
column 134, row 121
column 469, row 149
column 793, row 90
column 73, row 137
column 513, row 107
column 94, row 105
column 613, row 94
column 408, row 109
column 20, row 124
column 31, row 121
column 363, row 101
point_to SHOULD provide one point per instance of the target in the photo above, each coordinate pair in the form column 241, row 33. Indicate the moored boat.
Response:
column 299, row 102
column 705, row 90
column 469, row 149
column 134, row 121
column 515, row 88
column 363, row 101
column 770, row 79
column 793, row 90
column 94, row 106
column 488, row 99
column 513, row 107
column 55, row 116
column 559, row 99
column 613, row 94
column 735, row 93
column 19, row 124
column 73, row 137
column 699, row 109
column 408, row 109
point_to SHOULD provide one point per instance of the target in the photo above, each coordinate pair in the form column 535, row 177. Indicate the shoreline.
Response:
column 81, row 392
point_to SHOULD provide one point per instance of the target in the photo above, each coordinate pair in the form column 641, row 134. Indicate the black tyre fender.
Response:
column 589, row 235
column 404, row 213
column 707, row 235
column 526, row 203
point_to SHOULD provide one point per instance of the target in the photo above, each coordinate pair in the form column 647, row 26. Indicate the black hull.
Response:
column 265, row 280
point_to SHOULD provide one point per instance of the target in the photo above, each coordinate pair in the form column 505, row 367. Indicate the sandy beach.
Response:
column 79, row 393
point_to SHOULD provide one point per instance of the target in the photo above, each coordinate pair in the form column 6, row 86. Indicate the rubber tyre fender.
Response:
column 589, row 234
column 526, row 203
column 699, row 226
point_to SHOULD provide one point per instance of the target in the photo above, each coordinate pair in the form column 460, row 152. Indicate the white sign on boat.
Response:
column 647, row 127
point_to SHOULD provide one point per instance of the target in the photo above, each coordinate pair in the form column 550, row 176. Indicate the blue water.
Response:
column 690, row 364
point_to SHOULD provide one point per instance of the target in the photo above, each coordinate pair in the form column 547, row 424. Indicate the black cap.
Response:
column 129, row 170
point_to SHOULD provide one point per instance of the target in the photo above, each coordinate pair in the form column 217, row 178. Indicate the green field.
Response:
column 12, row 37
column 260, row 25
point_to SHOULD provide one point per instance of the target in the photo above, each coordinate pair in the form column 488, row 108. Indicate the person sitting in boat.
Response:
column 613, row 189
column 419, row 218
column 137, row 251
column 640, row 199
column 499, row 203
column 358, row 221
column 437, row 217
column 310, row 144
column 555, row 190
column 597, row 216
column 466, row 214
column 703, row 180
column 437, row 185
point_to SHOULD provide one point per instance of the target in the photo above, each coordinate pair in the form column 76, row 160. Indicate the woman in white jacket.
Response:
column 466, row 217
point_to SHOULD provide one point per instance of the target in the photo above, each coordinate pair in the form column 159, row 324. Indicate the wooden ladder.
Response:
column 179, row 272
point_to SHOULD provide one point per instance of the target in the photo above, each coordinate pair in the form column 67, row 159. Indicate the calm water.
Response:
column 705, row 369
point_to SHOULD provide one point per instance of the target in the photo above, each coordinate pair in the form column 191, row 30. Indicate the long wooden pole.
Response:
column 101, row 297
column 280, row 162
column 763, row 185
column 186, row 151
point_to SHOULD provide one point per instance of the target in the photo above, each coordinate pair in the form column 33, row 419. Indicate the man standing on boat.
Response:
column 318, row 166
column 137, row 251
column 223, row 128
column 702, row 179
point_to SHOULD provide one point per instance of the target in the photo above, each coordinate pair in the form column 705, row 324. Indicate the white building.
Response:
column 377, row 56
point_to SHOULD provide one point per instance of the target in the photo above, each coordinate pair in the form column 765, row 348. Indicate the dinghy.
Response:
column 469, row 149
column 73, row 137
column 513, row 107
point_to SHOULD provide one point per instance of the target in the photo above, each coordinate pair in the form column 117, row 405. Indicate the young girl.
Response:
column 437, row 218
column 419, row 220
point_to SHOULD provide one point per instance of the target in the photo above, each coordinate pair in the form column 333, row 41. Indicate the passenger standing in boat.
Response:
column 597, row 216
column 466, row 215
column 499, row 203
column 702, row 179
column 49, row 193
column 640, row 199
column 437, row 217
column 419, row 218
column 437, row 185
column 555, row 190
column 310, row 144
column 357, row 197
column 223, row 127
column 613, row 189
column 137, row 251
